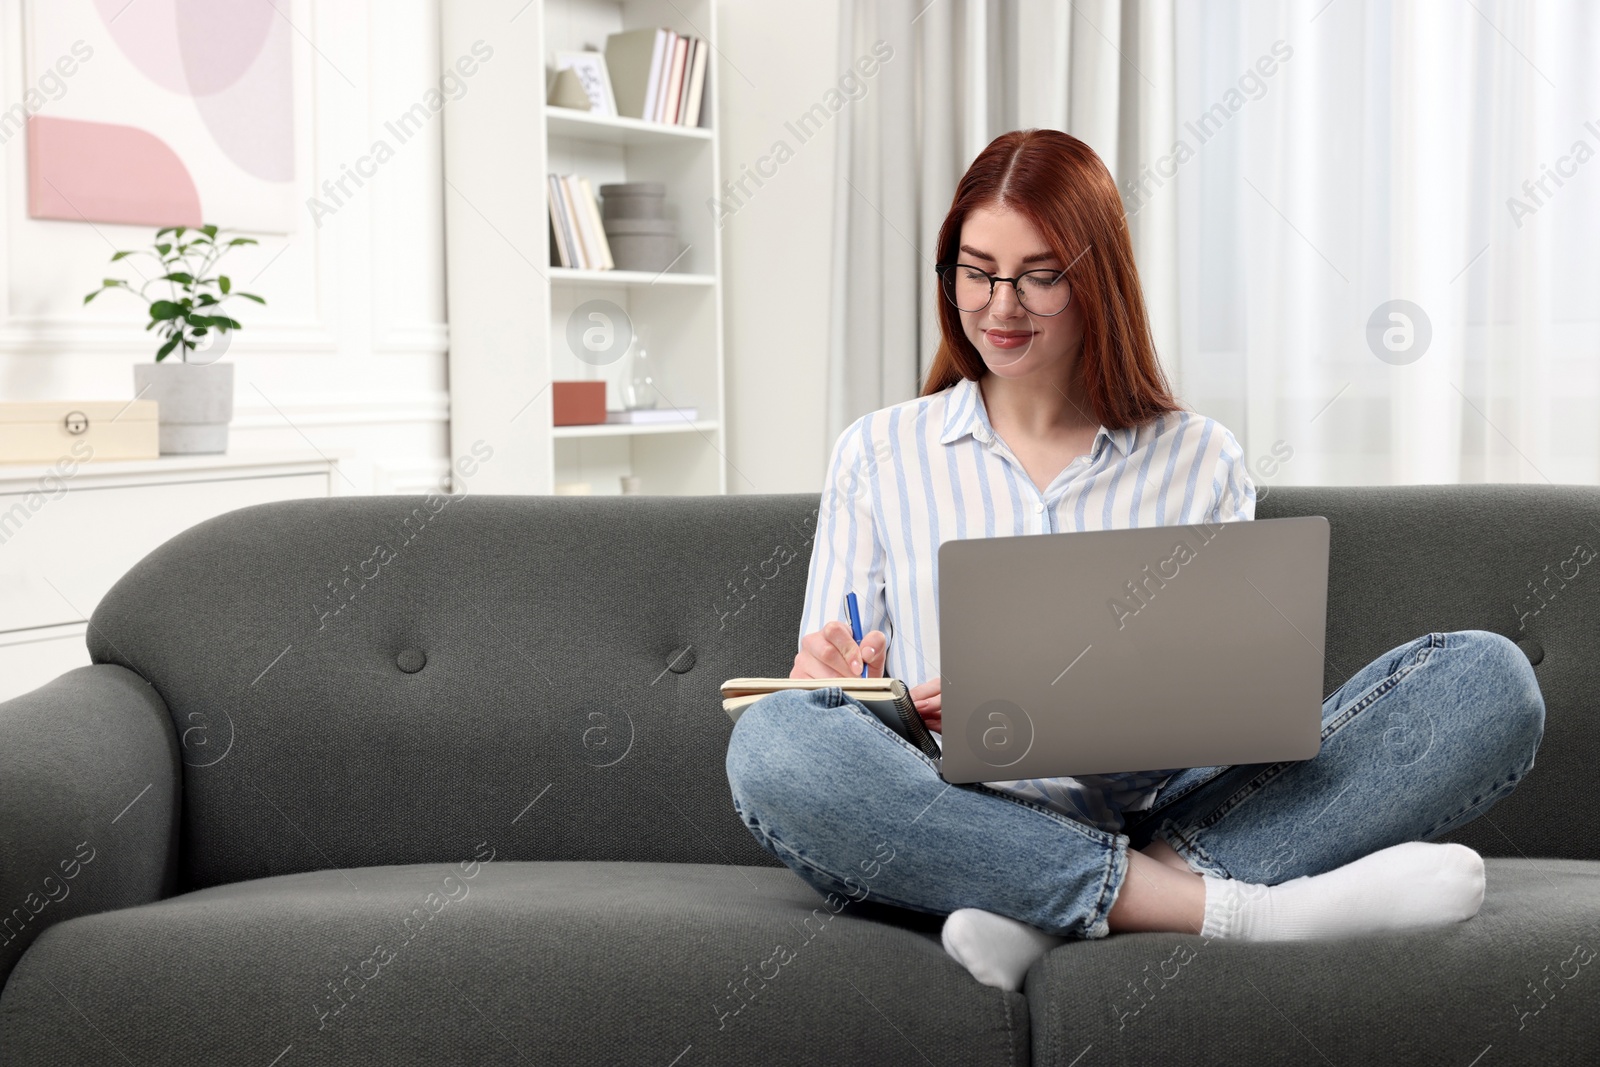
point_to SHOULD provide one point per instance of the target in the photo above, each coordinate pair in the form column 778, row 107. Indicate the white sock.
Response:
column 1409, row 886
column 997, row 950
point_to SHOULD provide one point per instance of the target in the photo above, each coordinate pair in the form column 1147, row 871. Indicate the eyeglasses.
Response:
column 1040, row 292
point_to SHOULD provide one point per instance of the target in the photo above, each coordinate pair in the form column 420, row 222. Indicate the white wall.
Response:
column 350, row 347
column 777, row 248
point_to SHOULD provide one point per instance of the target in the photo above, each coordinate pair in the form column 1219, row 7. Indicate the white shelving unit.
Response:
column 510, row 306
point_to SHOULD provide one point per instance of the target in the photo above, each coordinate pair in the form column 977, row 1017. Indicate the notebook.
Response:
column 887, row 698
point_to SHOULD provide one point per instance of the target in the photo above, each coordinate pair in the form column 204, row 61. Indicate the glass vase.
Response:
column 639, row 387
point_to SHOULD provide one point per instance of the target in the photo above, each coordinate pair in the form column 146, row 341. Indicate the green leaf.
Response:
column 166, row 349
column 92, row 295
column 206, row 298
column 200, row 320
column 232, row 324
column 109, row 283
column 242, row 241
column 119, row 255
column 209, row 231
column 178, row 231
column 164, row 229
column 163, row 248
column 178, row 276
column 164, row 309
column 223, row 283
column 251, row 296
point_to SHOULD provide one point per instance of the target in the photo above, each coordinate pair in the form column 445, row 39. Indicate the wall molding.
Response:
column 340, row 409
column 408, row 478
column 52, row 336
column 421, row 338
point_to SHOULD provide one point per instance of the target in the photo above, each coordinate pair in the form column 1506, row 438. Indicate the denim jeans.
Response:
column 1422, row 740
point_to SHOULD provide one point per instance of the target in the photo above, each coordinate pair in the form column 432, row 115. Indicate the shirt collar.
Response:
column 964, row 413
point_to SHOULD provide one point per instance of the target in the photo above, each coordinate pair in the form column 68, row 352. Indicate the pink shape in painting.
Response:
column 144, row 31
column 193, row 47
column 252, row 117
column 106, row 173
column 232, row 57
column 220, row 40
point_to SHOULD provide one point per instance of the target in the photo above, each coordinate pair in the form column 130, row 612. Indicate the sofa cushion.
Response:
column 505, row 962
column 1518, row 978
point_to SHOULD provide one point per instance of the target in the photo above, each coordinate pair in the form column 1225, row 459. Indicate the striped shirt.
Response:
column 904, row 479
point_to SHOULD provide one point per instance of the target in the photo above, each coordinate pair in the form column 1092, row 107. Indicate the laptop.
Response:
column 1131, row 650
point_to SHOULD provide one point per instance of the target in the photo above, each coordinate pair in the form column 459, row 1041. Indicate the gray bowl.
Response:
column 633, row 200
column 642, row 244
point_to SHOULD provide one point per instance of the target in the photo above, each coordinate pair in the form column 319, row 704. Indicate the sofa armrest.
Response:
column 89, row 788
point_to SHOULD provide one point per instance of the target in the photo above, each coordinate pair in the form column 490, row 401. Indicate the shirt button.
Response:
column 1039, row 508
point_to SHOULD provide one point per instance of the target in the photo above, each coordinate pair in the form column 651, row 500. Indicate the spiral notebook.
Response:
column 887, row 698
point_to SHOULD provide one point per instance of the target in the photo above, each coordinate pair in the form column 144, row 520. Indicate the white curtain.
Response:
column 963, row 72
column 1385, row 160
column 1289, row 169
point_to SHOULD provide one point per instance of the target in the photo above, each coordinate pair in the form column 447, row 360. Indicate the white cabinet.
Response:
column 68, row 533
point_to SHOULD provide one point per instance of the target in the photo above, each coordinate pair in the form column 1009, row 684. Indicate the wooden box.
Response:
column 578, row 403
column 43, row 431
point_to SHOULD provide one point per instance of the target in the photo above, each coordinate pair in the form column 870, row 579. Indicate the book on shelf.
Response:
column 596, row 228
column 657, row 75
column 559, row 236
column 574, row 203
column 640, row 416
column 668, row 111
column 575, row 226
column 697, row 83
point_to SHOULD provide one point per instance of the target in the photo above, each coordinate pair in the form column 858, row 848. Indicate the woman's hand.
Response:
column 929, row 703
column 832, row 652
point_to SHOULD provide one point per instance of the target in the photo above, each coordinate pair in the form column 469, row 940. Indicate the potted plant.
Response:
column 195, row 392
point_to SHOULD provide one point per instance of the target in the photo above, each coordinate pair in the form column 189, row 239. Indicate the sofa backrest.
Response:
column 1412, row 559
column 396, row 679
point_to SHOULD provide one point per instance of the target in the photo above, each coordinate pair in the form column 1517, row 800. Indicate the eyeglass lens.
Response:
column 1042, row 292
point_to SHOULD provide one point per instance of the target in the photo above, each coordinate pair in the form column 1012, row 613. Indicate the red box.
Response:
column 579, row 403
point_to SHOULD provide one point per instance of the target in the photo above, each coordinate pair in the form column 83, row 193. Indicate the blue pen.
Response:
column 855, row 625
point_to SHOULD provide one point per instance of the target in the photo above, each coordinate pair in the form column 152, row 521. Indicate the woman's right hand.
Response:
column 832, row 652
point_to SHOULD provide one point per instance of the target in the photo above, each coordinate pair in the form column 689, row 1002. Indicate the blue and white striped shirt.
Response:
column 904, row 479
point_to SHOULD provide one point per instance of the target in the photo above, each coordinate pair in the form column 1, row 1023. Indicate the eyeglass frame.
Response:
column 940, row 268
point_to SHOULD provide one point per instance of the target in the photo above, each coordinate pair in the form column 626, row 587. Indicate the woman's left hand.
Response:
column 928, row 702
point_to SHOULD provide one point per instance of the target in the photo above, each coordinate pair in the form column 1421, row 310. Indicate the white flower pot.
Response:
column 196, row 403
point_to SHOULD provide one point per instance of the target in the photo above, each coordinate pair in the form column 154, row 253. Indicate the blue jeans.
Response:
column 1422, row 740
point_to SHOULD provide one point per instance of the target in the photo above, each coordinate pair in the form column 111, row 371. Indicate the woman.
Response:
column 1046, row 411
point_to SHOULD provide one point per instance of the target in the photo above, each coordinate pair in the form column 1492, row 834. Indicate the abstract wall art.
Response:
column 159, row 112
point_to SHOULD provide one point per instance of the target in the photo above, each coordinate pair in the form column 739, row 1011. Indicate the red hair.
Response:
column 1058, row 183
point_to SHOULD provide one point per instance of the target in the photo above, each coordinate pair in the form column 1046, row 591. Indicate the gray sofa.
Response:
column 375, row 780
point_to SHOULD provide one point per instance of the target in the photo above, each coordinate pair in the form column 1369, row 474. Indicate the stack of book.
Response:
column 575, row 226
column 640, row 416
column 657, row 75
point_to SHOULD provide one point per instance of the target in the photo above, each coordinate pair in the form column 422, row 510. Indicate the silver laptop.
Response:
column 1131, row 650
